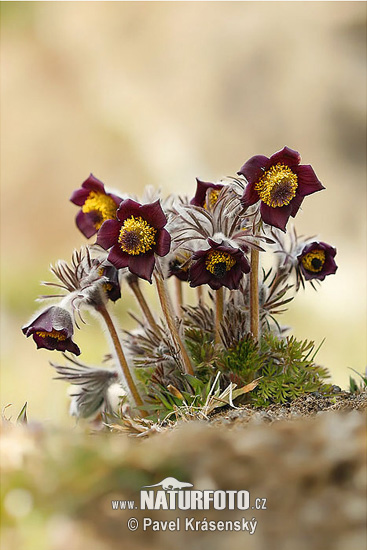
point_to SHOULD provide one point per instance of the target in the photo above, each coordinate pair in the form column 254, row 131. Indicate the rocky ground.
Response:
column 307, row 459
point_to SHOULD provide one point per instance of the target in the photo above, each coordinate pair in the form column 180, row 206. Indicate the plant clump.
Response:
column 216, row 340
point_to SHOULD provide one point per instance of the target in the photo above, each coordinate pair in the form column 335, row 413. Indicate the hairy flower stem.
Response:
column 121, row 357
column 168, row 314
column 254, row 293
column 218, row 313
column 179, row 296
column 135, row 287
column 199, row 291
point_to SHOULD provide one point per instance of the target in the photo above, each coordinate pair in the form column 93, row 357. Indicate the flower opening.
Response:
column 218, row 263
column 278, row 186
column 102, row 207
column 314, row 261
column 136, row 236
column 211, row 198
column 55, row 334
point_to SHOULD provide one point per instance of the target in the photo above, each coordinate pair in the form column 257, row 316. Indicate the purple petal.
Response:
column 198, row 275
column 233, row 278
column 163, row 243
column 277, row 217
column 118, row 258
column 108, row 233
column 286, row 156
column 85, row 223
column 71, row 346
column 200, row 254
column 201, row 189
column 296, row 204
column 215, row 283
column 93, row 184
column 128, row 208
column 250, row 196
column 118, row 200
column 79, row 196
column 153, row 214
column 245, row 266
column 308, row 182
column 142, row 266
column 254, row 168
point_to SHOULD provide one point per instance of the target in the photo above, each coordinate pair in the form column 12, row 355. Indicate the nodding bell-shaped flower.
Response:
column 280, row 183
column 53, row 330
column 316, row 261
column 97, row 206
column 135, row 236
column 219, row 265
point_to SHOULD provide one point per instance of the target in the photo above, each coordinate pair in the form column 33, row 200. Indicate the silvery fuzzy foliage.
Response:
column 93, row 384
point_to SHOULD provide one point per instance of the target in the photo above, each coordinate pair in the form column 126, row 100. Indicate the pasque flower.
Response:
column 97, row 206
column 135, row 236
column 280, row 183
column 221, row 264
column 206, row 192
column 53, row 330
column 317, row 260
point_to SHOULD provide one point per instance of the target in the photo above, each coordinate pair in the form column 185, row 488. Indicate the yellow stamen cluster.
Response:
column 103, row 205
column 278, row 185
column 214, row 257
column 212, row 197
column 136, row 236
column 314, row 261
column 56, row 334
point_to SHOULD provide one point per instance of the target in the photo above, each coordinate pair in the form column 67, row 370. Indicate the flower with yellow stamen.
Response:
column 135, row 236
column 96, row 204
column 280, row 183
column 220, row 265
column 53, row 330
column 206, row 194
column 316, row 261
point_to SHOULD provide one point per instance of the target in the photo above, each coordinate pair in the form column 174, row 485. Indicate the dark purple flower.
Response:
column 135, row 237
column 112, row 284
column 202, row 195
column 219, row 265
column 53, row 329
column 97, row 206
column 317, row 260
column 281, row 183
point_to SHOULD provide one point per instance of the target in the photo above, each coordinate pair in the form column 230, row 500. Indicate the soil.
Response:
column 304, row 406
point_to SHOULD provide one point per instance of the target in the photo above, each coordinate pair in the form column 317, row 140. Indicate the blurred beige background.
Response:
column 158, row 93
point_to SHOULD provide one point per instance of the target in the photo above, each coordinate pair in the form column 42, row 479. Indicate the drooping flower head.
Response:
column 97, row 206
column 136, row 235
column 206, row 194
column 219, row 265
column 280, row 183
column 53, row 330
column 112, row 283
column 316, row 261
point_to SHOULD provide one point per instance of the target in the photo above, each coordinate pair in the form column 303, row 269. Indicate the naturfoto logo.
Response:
column 176, row 496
